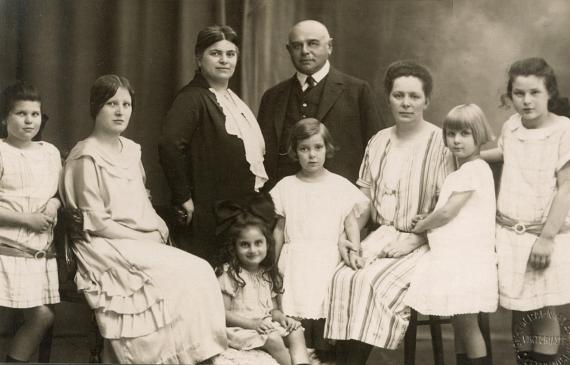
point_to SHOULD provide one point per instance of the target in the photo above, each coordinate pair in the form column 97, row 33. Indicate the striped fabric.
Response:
column 367, row 305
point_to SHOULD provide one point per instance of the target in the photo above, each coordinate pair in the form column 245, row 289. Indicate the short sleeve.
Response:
column 464, row 179
column 227, row 284
column 364, row 174
column 276, row 193
column 56, row 159
column 354, row 199
column 564, row 147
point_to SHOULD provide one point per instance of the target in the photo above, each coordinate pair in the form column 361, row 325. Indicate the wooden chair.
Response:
column 68, row 230
column 434, row 323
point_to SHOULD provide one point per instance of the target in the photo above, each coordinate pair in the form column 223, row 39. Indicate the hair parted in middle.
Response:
column 306, row 128
column 468, row 116
column 255, row 210
column 408, row 68
column 104, row 88
column 213, row 34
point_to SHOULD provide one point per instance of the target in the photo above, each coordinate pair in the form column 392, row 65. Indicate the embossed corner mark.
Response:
column 525, row 338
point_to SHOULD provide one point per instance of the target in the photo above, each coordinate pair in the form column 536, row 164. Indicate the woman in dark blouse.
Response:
column 212, row 148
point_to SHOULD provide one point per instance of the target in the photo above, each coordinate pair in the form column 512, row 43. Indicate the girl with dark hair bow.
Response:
column 251, row 284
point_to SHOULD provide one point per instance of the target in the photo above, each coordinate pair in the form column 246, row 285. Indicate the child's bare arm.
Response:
column 37, row 221
column 543, row 246
column 352, row 231
column 278, row 316
column 444, row 214
column 279, row 237
column 492, row 155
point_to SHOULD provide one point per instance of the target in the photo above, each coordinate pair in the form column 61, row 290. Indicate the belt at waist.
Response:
column 18, row 250
column 518, row 226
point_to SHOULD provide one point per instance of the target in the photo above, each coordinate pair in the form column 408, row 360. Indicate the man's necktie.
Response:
column 310, row 82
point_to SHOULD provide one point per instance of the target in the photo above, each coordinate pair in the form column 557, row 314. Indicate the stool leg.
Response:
column 44, row 349
column 436, row 340
column 410, row 339
column 483, row 320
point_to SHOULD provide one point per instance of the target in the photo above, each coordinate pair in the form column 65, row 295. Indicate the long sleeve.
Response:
column 174, row 147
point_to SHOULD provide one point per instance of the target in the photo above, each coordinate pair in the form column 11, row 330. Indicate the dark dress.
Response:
column 202, row 161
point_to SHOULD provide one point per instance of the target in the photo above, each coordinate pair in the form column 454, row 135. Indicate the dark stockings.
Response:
column 352, row 352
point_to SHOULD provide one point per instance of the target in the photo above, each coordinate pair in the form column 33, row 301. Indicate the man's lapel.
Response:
column 281, row 106
column 332, row 89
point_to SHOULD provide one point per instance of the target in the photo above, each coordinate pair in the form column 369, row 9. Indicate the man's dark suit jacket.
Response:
column 347, row 108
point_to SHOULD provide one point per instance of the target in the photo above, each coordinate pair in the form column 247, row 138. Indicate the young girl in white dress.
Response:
column 251, row 283
column 458, row 276
column 29, row 173
column 533, row 220
column 316, row 209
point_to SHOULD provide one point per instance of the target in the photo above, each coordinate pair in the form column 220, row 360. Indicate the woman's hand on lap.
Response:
column 402, row 246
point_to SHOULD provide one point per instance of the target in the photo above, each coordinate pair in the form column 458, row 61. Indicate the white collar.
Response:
column 317, row 76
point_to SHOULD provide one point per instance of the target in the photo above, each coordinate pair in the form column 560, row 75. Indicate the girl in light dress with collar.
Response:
column 533, row 220
column 316, row 210
column 29, row 173
column 458, row 276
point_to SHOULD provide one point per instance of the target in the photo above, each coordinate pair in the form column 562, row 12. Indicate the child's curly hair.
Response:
column 233, row 218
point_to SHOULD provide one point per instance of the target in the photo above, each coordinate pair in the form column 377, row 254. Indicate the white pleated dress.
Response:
column 458, row 274
column 314, row 220
column 28, row 179
column 532, row 159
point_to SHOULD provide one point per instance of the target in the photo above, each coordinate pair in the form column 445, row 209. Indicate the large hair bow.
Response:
column 259, row 205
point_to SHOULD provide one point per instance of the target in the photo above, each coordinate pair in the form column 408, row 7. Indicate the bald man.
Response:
column 317, row 90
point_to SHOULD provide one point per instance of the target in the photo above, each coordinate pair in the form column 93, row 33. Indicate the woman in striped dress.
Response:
column 402, row 171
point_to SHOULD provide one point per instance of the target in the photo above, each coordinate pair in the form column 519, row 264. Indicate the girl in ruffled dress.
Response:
column 29, row 172
column 458, row 276
column 251, row 284
column 317, row 210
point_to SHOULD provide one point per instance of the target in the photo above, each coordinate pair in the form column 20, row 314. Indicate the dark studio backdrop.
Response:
column 62, row 46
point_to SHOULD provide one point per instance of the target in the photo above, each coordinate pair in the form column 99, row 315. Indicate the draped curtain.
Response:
column 63, row 45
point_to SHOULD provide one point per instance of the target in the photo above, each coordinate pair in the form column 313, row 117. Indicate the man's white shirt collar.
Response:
column 317, row 76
